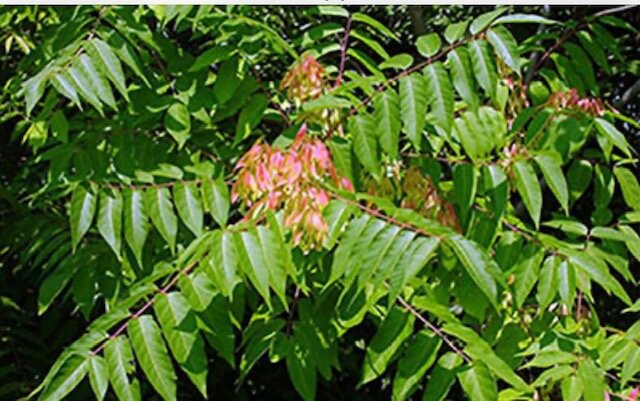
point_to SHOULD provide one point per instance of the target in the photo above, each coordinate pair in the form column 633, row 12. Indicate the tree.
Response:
column 237, row 202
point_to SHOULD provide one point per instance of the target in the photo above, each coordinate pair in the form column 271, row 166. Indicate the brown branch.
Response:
column 433, row 328
column 416, row 67
column 144, row 307
column 344, row 43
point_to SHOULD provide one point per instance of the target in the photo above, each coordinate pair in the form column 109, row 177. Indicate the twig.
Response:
column 144, row 307
column 343, row 51
column 568, row 35
column 383, row 216
column 433, row 328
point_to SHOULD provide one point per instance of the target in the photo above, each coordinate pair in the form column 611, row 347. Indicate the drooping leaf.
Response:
column 136, row 221
column 526, row 182
column 484, row 67
column 119, row 358
column 110, row 219
column 180, row 329
column 160, row 207
column 215, row 196
column 188, row 205
column 107, row 61
column 439, row 94
column 365, row 144
column 476, row 263
column 463, row 80
column 82, row 210
column 629, row 186
column 223, row 263
column 152, row 354
column 413, row 105
column 387, row 118
column 552, row 172
column 418, row 357
column 98, row 376
column 478, row 383
column 505, row 45
column 70, row 374
column 395, row 328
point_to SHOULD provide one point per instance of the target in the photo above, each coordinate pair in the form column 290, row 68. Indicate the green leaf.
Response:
column 160, row 208
column 442, row 377
column 483, row 21
column 615, row 137
column 480, row 131
column 107, row 61
column 70, row 374
column 98, row 376
column 552, row 171
column 484, row 66
column 476, row 263
column 439, row 94
column 253, row 261
column 548, row 281
column 454, row 32
column 152, row 355
column 465, row 184
column 178, row 123
column 413, row 106
column 180, row 329
column 418, row 357
column 215, row 195
column 62, row 83
column 428, row 45
column 97, row 81
column 398, row 62
column 212, row 56
column 526, row 273
column 395, row 328
column 598, row 271
column 463, row 81
column 302, row 373
column 82, row 210
column 528, row 186
column 629, row 186
column 365, row 145
column 549, row 358
column 387, row 118
column 478, row 383
column 571, row 388
column 185, row 195
column 136, row 221
column 479, row 349
column 222, row 264
column 373, row 23
column 524, row 19
column 505, row 45
column 592, row 381
column 119, row 359
column 34, row 89
column 85, row 86
column 110, row 219
column 416, row 256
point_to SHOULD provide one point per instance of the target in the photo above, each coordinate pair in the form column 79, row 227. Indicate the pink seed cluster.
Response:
column 305, row 80
column 270, row 178
column 571, row 99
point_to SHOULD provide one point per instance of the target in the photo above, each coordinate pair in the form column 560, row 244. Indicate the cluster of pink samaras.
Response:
column 571, row 99
column 305, row 80
column 270, row 178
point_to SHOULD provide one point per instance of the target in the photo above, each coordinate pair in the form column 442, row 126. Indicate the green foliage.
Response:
column 487, row 187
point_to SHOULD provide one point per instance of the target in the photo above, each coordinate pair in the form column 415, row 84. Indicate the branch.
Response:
column 144, row 307
column 344, row 43
column 433, row 328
